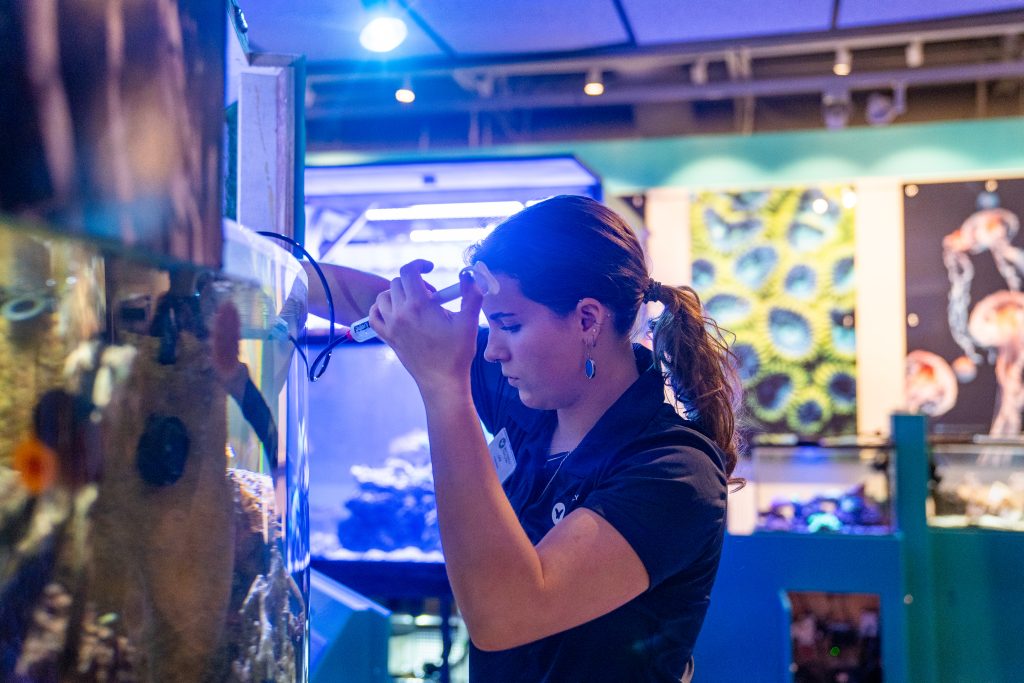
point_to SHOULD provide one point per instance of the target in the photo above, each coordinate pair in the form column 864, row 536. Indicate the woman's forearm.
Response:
column 353, row 291
column 494, row 570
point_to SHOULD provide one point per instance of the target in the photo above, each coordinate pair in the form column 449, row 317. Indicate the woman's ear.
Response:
column 591, row 313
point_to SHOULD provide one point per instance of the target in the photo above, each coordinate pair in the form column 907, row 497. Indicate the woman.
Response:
column 589, row 553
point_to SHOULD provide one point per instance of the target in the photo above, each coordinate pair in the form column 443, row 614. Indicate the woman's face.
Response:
column 541, row 354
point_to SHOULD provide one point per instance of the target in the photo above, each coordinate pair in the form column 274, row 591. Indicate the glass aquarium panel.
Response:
column 978, row 485
column 152, row 468
column 809, row 489
column 374, row 497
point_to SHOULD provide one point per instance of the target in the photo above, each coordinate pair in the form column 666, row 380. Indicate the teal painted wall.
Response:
column 979, row 605
column 915, row 151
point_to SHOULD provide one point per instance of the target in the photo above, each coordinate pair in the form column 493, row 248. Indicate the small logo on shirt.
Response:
column 557, row 513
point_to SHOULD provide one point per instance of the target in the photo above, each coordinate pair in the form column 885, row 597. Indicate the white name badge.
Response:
column 502, row 455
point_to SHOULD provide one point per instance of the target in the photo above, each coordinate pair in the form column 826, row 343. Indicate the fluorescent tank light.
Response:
column 456, row 210
column 450, row 234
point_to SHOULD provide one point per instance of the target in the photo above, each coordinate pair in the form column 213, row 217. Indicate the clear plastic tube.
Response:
column 361, row 331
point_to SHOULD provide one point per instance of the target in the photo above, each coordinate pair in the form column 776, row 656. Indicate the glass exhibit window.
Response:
column 978, row 485
column 814, row 489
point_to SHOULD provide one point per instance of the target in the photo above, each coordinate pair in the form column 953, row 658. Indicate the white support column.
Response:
column 880, row 304
column 667, row 216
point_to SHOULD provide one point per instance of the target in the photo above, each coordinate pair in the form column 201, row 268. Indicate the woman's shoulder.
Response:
column 670, row 438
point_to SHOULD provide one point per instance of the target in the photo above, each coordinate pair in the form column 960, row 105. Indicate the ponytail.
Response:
column 699, row 366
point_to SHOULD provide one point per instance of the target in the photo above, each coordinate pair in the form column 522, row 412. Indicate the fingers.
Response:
column 377, row 318
column 416, row 266
column 397, row 291
column 472, row 297
column 411, row 276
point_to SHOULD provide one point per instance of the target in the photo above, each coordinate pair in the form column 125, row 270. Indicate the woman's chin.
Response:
column 532, row 401
column 525, row 397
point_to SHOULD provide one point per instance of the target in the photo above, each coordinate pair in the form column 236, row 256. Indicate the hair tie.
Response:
column 652, row 292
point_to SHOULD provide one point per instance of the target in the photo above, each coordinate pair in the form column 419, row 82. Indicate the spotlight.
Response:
column 699, row 71
column 405, row 94
column 835, row 108
column 842, row 67
column 915, row 54
column 383, row 34
column 594, row 85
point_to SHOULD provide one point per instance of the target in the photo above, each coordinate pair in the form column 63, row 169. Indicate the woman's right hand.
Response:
column 434, row 344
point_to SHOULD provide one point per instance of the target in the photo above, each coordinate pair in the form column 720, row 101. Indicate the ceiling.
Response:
column 507, row 71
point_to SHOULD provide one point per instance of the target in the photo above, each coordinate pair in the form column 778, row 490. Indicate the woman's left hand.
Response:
column 434, row 344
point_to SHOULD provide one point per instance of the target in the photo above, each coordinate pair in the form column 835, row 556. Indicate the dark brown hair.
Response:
column 568, row 247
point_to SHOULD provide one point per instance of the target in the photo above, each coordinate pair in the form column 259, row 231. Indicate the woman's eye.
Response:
column 510, row 328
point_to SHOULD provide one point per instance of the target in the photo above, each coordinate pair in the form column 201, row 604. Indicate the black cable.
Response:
column 324, row 355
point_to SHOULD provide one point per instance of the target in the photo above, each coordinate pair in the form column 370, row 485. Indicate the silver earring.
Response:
column 590, row 368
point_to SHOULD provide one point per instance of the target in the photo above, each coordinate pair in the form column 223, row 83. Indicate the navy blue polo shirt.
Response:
column 659, row 482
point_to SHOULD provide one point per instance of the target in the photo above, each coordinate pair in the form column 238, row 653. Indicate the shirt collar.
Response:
column 626, row 418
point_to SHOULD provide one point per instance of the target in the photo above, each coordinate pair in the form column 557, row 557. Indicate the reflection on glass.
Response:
column 152, row 500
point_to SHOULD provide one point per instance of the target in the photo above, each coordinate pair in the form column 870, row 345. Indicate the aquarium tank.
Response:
column 153, row 474
column 152, row 464
column 373, row 502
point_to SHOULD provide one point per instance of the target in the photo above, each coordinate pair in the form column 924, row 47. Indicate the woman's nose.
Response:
column 495, row 352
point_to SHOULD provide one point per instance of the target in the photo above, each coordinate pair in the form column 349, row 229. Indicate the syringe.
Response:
column 361, row 331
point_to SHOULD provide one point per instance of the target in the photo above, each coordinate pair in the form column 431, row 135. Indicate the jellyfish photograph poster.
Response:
column 776, row 268
column 965, row 309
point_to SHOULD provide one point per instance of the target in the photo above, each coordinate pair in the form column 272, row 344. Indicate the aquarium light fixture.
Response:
column 450, row 234
column 445, row 210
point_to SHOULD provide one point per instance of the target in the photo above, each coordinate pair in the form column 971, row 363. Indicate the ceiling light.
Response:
column 383, row 34
column 594, row 85
column 843, row 61
column 915, row 54
column 445, row 210
column 699, row 71
column 405, row 94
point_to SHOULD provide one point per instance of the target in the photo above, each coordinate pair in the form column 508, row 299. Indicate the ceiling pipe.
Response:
column 627, row 94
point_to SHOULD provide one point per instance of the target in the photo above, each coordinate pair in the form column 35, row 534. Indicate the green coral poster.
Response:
column 776, row 268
